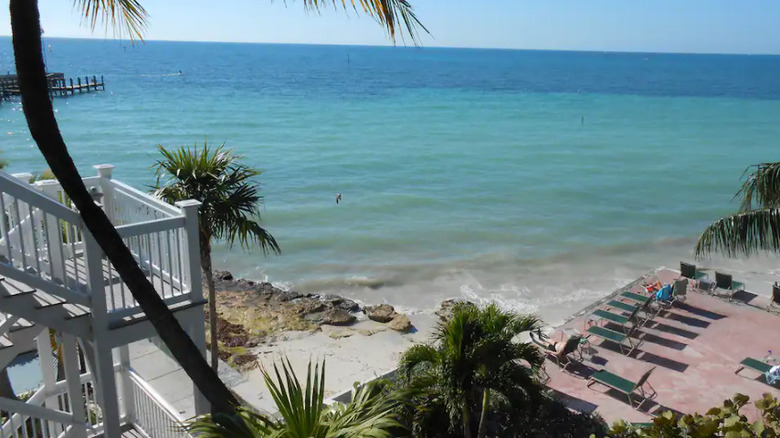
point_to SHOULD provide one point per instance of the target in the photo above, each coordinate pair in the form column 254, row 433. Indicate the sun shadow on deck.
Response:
column 655, row 325
column 698, row 311
column 574, row 403
column 688, row 320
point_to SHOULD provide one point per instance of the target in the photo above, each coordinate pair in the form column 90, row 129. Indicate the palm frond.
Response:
column 124, row 17
column 300, row 407
column 761, row 188
column 224, row 185
column 742, row 234
column 417, row 355
column 393, row 15
column 370, row 414
column 242, row 424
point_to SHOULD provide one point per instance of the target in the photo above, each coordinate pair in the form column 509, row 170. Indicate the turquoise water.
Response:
column 539, row 179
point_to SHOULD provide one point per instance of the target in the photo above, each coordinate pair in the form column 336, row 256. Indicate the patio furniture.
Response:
column 757, row 365
column 615, row 336
column 623, row 385
column 562, row 359
column 775, row 301
column 689, row 271
column 726, row 283
column 679, row 293
column 633, row 296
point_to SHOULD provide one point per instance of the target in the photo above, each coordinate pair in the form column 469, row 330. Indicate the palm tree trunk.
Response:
column 6, row 390
column 205, row 264
column 466, row 419
column 38, row 110
column 483, row 416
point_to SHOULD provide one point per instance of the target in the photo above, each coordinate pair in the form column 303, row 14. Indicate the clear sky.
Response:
column 701, row 26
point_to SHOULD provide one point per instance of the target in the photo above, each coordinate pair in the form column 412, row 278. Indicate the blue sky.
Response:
column 701, row 26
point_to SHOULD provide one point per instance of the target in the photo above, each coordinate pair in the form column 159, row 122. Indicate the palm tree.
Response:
column 128, row 17
column 370, row 414
column 473, row 358
column 230, row 210
column 756, row 226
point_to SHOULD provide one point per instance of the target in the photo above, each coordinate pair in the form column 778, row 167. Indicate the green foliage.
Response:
column 302, row 413
column 756, row 227
column 474, row 357
column 225, row 186
column 724, row 421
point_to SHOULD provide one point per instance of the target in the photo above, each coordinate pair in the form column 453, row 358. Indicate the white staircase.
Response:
column 53, row 276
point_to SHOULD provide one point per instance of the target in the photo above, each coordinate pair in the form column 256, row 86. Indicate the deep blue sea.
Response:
column 539, row 179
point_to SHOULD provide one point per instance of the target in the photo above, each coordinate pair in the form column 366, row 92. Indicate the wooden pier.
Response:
column 58, row 85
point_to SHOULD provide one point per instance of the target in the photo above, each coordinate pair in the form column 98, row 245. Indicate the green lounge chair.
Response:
column 616, row 337
column 563, row 360
column 624, row 386
column 626, row 307
column 633, row 296
column 689, row 271
column 775, row 301
column 624, row 321
column 753, row 364
column 679, row 293
column 725, row 282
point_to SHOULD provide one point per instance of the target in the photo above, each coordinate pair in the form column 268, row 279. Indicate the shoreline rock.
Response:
column 253, row 313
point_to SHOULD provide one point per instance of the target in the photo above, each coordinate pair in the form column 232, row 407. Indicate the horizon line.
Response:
column 405, row 46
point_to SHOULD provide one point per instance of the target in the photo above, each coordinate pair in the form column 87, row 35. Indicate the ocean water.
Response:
column 542, row 180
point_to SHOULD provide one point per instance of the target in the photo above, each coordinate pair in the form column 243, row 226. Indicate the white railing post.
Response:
column 73, row 382
column 197, row 329
column 46, row 361
column 104, row 172
column 126, row 384
column 192, row 252
column 104, row 359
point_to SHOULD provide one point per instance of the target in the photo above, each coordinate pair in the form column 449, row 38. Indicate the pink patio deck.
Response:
column 695, row 347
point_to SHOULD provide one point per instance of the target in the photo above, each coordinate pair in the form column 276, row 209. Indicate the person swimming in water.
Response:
column 338, row 198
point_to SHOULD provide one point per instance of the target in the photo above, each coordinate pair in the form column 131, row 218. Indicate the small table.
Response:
column 706, row 284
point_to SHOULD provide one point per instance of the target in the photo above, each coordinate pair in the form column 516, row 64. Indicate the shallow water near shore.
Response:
column 542, row 180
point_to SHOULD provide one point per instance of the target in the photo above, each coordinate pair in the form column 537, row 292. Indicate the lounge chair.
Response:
column 754, row 364
column 689, row 271
column 615, row 336
column 679, row 293
column 624, row 386
column 724, row 282
column 775, row 301
column 624, row 321
column 633, row 296
column 563, row 360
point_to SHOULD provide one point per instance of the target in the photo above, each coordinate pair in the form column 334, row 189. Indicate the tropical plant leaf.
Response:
column 761, row 188
column 124, row 17
column 393, row 15
column 742, row 233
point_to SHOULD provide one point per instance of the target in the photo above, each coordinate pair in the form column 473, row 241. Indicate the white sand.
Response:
column 356, row 358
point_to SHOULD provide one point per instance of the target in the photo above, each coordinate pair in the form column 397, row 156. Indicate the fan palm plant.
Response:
column 128, row 17
column 756, row 226
column 230, row 206
column 474, row 357
column 302, row 414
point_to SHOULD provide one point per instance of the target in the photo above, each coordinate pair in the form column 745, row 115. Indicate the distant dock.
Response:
column 58, row 85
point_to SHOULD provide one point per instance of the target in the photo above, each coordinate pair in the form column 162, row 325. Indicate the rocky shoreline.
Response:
column 252, row 313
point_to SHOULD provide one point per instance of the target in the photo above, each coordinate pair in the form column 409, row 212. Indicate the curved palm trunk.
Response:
column 6, row 390
column 205, row 265
column 26, row 29
column 483, row 417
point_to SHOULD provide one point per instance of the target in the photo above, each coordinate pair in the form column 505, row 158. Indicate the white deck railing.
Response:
column 152, row 413
column 43, row 242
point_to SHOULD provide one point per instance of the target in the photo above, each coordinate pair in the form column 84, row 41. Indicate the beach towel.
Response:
column 665, row 293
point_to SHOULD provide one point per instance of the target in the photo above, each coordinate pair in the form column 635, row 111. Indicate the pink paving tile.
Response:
column 696, row 347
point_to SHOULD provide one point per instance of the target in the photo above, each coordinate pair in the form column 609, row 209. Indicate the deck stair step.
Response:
column 42, row 308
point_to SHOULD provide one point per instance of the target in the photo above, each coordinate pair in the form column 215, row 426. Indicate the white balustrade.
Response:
column 152, row 413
